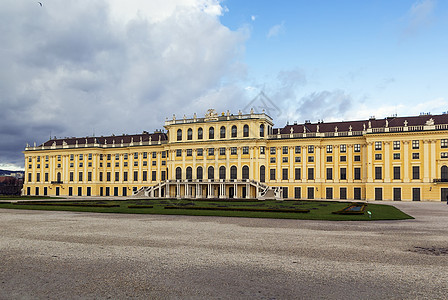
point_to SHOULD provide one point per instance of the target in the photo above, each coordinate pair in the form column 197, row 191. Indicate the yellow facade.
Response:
column 243, row 156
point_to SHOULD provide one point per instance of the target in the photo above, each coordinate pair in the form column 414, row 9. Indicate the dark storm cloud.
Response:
column 70, row 68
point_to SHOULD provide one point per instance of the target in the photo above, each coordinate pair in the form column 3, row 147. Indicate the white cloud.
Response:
column 276, row 30
column 253, row 18
column 419, row 15
column 73, row 67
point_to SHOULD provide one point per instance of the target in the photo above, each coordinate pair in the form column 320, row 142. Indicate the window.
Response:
column 178, row 152
column 272, row 174
column 416, row 172
column 117, row 164
column 163, row 162
column 154, row 155
column 310, row 158
column 396, row 145
column 199, row 173
column 234, row 131
column 310, row 149
column 29, row 178
column 135, row 155
column 343, row 193
column 357, row 148
column 444, row 143
column 125, row 176
column 378, row 156
column 343, row 158
column 189, row 173
column 117, row 156
column 378, row 145
column 72, row 157
column 233, row 151
column 444, row 154
column 154, row 176
column 200, row 133
column 101, row 157
column 397, row 172
column 38, row 165
column 38, row 177
column 179, row 134
column 262, row 174
column 272, row 150
column 261, row 130
column 125, row 156
column 59, row 157
column 89, row 176
column 135, row 175
column 343, row 148
column 298, row 159
column 378, row 172
column 189, row 152
column 357, row 173
column 357, row 158
column 145, row 176
column 117, row 176
column 233, row 172
column 46, row 176
column 80, row 164
column 310, row 173
column 189, row 134
column 329, row 173
column 145, row 155
column 415, row 144
column 200, row 152
column 297, row 192
column 285, row 150
column 154, row 163
column 178, row 173
column 163, row 175
column 80, row 176
column 284, row 174
column 222, row 172
column 80, row 157
column 164, row 154
column 246, row 130
column 245, row 150
column 272, row 160
column 211, row 151
column 285, row 159
column 329, row 149
column 297, row 149
column 415, row 155
column 222, row 132
column 245, row 172
column 136, row 163
column 329, row 158
column 29, row 159
column 396, row 155
column 108, row 176
column 211, row 133
column 109, row 156
column 343, row 173
column 145, row 163
column 262, row 149
column 222, row 151
column 211, row 172
column 378, row 193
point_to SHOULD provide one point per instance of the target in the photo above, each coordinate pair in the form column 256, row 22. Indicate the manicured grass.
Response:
column 318, row 210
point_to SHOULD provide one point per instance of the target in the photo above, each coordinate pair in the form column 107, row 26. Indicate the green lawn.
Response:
column 318, row 210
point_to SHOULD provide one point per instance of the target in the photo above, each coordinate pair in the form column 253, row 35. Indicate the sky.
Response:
column 102, row 67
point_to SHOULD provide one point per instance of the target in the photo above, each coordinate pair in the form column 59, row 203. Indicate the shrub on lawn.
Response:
column 241, row 209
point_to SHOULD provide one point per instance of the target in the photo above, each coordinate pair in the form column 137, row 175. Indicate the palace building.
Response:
column 244, row 156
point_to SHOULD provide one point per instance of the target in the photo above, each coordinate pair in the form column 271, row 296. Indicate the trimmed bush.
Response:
column 241, row 209
column 140, row 206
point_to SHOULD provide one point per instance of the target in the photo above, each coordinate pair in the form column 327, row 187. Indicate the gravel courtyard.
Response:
column 69, row 255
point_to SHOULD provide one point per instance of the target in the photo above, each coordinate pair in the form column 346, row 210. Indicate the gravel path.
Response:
column 67, row 255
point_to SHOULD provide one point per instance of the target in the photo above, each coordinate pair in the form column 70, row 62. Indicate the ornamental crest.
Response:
column 211, row 114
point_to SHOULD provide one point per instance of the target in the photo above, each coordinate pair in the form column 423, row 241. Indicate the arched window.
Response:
column 200, row 133
column 233, row 172
column 262, row 130
column 211, row 172
column 234, row 131
column 246, row 130
column 444, row 173
column 245, row 172
column 262, row 174
column 59, row 179
column 179, row 134
column 178, row 173
column 211, row 133
column 189, row 173
column 222, row 132
column 199, row 174
column 189, row 134
column 222, row 172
